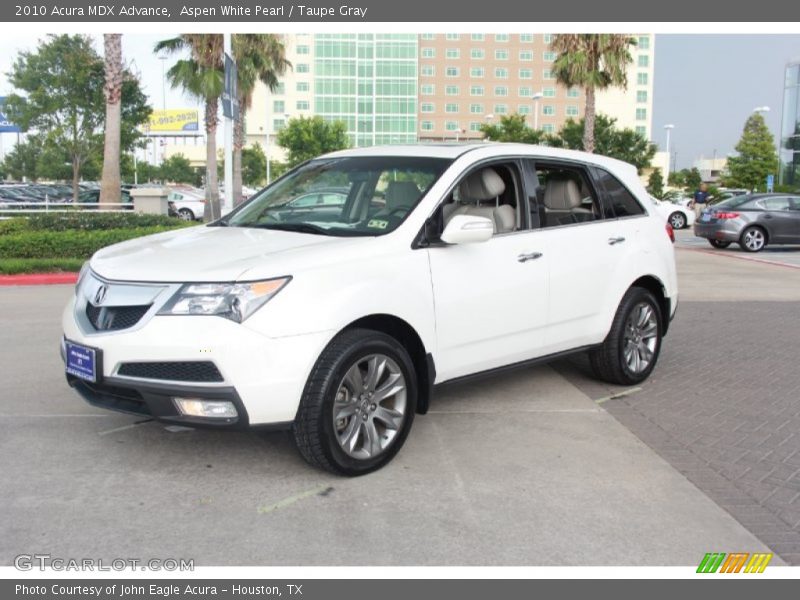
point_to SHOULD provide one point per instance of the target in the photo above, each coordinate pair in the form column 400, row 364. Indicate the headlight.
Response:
column 81, row 275
column 234, row 301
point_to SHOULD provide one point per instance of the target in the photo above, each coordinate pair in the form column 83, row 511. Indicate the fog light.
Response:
column 215, row 409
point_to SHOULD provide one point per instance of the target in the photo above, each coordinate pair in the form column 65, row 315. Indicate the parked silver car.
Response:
column 752, row 221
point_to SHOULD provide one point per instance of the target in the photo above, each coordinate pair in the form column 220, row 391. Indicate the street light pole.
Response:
column 536, row 97
column 669, row 127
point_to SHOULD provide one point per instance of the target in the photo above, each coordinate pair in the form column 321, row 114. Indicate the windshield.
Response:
column 358, row 196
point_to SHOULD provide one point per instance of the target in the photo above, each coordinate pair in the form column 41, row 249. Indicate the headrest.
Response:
column 485, row 184
column 401, row 194
column 562, row 194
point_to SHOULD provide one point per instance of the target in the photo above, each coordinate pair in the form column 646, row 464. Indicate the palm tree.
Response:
column 202, row 75
column 114, row 74
column 594, row 62
column 259, row 57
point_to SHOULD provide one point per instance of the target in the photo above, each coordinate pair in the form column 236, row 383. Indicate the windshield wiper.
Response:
column 297, row 227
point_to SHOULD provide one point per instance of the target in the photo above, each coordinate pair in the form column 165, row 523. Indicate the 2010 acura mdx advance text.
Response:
column 335, row 320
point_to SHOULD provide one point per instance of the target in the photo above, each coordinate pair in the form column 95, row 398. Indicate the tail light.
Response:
column 671, row 233
column 727, row 215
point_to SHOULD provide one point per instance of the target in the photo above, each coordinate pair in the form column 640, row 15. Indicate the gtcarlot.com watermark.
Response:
column 44, row 562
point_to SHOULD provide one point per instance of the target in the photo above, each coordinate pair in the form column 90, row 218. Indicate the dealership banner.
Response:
column 310, row 11
column 6, row 126
column 174, row 121
column 383, row 589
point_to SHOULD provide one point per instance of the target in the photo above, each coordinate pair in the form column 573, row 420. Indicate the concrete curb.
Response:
column 38, row 279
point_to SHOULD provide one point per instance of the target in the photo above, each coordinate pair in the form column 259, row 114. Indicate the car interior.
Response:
column 492, row 192
column 563, row 196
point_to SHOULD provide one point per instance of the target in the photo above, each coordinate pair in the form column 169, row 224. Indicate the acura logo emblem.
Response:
column 100, row 295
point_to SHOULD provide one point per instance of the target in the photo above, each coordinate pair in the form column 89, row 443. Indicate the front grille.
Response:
column 114, row 318
column 200, row 371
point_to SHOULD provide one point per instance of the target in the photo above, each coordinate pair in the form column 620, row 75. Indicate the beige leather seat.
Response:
column 562, row 202
column 478, row 188
column 400, row 195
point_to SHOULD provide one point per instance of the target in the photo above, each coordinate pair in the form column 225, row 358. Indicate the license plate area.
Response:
column 83, row 362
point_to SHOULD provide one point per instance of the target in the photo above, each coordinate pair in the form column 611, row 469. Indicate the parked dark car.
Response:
column 753, row 221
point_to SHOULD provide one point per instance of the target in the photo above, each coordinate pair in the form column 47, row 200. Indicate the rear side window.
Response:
column 778, row 203
column 619, row 201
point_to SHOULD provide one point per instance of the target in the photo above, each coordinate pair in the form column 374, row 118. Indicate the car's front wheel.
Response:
column 186, row 214
column 719, row 243
column 630, row 351
column 358, row 404
column 753, row 239
column 677, row 220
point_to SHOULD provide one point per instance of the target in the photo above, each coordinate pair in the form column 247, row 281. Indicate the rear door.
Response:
column 590, row 252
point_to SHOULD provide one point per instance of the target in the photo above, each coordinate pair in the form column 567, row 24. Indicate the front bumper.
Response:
column 262, row 376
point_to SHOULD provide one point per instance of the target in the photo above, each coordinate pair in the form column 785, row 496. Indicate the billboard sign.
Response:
column 173, row 121
column 6, row 126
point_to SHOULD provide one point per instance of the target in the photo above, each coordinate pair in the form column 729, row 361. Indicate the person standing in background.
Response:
column 700, row 200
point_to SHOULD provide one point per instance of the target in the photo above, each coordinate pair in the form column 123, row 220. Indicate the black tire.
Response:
column 186, row 214
column 313, row 428
column 608, row 360
column 753, row 239
column 677, row 220
column 719, row 243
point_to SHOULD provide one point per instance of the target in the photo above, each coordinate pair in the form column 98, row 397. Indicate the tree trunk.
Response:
column 238, row 144
column 110, row 187
column 211, row 210
column 588, row 120
column 76, row 176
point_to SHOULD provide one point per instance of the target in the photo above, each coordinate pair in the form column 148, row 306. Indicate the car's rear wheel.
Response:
column 630, row 351
column 677, row 220
column 358, row 404
column 186, row 214
column 753, row 239
column 719, row 243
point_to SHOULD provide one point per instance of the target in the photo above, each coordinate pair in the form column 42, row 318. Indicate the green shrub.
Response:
column 16, row 266
column 66, row 244
column 14, row 225
column 98, row 220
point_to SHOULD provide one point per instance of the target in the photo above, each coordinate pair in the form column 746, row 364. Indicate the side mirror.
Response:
column 467, row 229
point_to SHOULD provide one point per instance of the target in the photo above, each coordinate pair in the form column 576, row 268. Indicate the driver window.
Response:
column 491, row 191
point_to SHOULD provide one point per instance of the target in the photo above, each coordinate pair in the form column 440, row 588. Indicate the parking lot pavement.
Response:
column 522, row 468
column 723, row 406
column 787, row 255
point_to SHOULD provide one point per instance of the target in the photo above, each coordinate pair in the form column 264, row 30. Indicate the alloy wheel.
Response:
column 369, row 408
column 754, row 239
column 640, row 337
column 677, row 220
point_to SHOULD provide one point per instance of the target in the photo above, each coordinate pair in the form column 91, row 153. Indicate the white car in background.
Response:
column 189, row 204
column 336, row 321
column 677, row 215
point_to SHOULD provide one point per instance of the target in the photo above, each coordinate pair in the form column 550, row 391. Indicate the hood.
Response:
column 212, row 254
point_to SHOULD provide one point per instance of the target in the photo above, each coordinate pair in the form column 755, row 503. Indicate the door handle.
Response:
column 768, row 216
column 615, row 240
column 529, row 256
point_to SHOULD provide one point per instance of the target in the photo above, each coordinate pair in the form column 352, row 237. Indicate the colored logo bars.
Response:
column 735, row 562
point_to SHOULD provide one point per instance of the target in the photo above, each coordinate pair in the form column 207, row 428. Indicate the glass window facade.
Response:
column 790, row 127
column 369, row 81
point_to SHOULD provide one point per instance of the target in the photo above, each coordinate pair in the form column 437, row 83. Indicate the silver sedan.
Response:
column 752, row 221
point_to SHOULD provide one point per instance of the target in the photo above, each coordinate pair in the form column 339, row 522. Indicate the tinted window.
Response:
column 738, row 202
column 619, row 201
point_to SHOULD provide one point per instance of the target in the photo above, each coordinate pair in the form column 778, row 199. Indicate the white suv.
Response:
column 336, row 320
